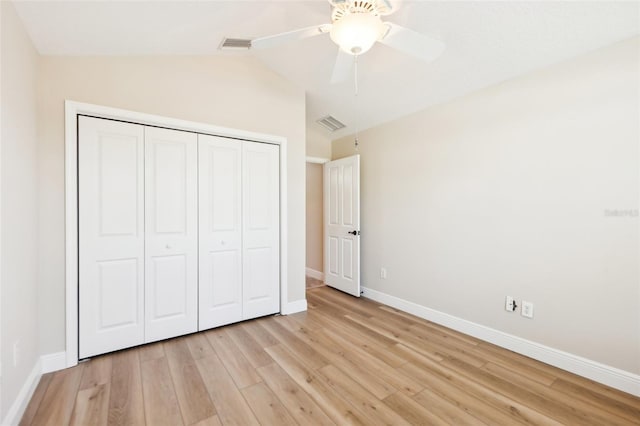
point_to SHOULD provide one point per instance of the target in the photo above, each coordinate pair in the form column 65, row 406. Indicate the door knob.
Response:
column 354, row 232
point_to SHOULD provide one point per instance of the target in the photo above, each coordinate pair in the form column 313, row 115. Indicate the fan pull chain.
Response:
column 355, row 68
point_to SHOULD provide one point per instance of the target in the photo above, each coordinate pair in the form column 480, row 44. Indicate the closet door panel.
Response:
column 261, row 232
column 220, row 185
column 111, row 235
column 171, row 233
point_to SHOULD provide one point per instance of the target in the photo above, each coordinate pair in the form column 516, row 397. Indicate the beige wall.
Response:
column 233, row 91
column 314, row 217
column 19, row 191
column 318, row 142
column 506, row 192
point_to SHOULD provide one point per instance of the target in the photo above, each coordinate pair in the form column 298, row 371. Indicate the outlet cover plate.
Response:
column 508, row 304
column 527, row 309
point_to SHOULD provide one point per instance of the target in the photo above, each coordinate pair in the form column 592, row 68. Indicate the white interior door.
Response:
column 111, row 235
column 171, row 233
column 342, row 224
column 220, row 188
column 261, row 229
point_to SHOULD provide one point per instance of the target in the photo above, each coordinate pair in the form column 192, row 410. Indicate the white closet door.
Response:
column 261, row 229
column 171, row 233
column 220, row 186
column 111, row 235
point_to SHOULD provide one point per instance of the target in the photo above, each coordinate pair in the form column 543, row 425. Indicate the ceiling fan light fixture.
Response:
column 355, row 33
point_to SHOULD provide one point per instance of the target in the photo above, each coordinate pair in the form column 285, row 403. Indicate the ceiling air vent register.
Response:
column 330, row 123
column 229, row 43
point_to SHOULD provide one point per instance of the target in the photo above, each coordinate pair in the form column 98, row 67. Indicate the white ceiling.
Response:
column 487, row 42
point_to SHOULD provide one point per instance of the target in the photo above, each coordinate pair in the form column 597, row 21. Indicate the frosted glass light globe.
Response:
column 355, row 33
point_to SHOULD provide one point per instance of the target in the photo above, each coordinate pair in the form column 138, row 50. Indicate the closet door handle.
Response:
column 354, row 232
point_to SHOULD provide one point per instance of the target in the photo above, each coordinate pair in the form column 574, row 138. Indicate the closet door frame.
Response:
column 75, row 109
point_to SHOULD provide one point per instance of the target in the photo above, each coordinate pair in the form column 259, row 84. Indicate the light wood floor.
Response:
column 345, row 361
column 313, row 282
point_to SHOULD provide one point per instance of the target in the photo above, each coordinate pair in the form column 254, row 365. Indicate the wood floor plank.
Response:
column 299, row 404
column 339, row 410
column 262, row 336
column 230, row 405
column 327, row 307
column 411, row 411
column 34, row 403
column 427, row 350
column 590, row 396
column 515, row 362
column 376, row 410
column 240, row 369
column 334, row 353
column 421, row 341
column 345, row 330
column 92, row 406
column 441, row 330
column 295, row 345
column 160, row 400
column 306, row 320
column 97, row 371
column 424, row 369
column 590, row 410
column 444, row 409
column 199, row 345
column 467, row 401
column 346, row 303
column 126, row 405
column 266, row 405
column 551, row 408
column 250, row 348
column 151, row 351
column 211, row 421
column 60, row 397
column 374, row 366
column 193, row 398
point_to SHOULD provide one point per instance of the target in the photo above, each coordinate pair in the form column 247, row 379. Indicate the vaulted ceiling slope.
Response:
column 487, row 42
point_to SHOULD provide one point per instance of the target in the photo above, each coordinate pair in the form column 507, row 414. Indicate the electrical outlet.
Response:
column 527, row 309
column 16, row 353
column 510, row 304
column 383, row 273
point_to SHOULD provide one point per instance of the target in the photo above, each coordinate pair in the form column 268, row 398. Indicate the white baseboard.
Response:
column 45, row 364
column 54, row 362
column 294, row 307
column 605, row 374
column 14, row 415
column 315, row 274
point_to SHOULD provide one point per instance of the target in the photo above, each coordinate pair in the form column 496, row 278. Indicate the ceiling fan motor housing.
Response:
column 345, row 7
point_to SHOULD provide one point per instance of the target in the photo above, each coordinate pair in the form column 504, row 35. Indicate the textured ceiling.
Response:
column 487, row 42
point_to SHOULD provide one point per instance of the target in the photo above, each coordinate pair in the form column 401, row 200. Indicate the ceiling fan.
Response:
column 356, row 26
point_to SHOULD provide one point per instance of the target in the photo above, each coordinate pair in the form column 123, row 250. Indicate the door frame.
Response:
column 72, row 110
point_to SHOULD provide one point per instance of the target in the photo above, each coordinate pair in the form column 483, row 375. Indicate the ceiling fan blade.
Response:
column 282, row 38
column 342, row 68
column 412, row 43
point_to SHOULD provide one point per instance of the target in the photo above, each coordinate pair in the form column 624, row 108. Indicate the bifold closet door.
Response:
column 261, row 229
column 111, row 235
column 239, row 230
column 220, row 188
column 171, row 233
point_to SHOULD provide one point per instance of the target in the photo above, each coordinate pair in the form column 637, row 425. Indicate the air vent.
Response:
column 330, row 123
column 235, row 44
